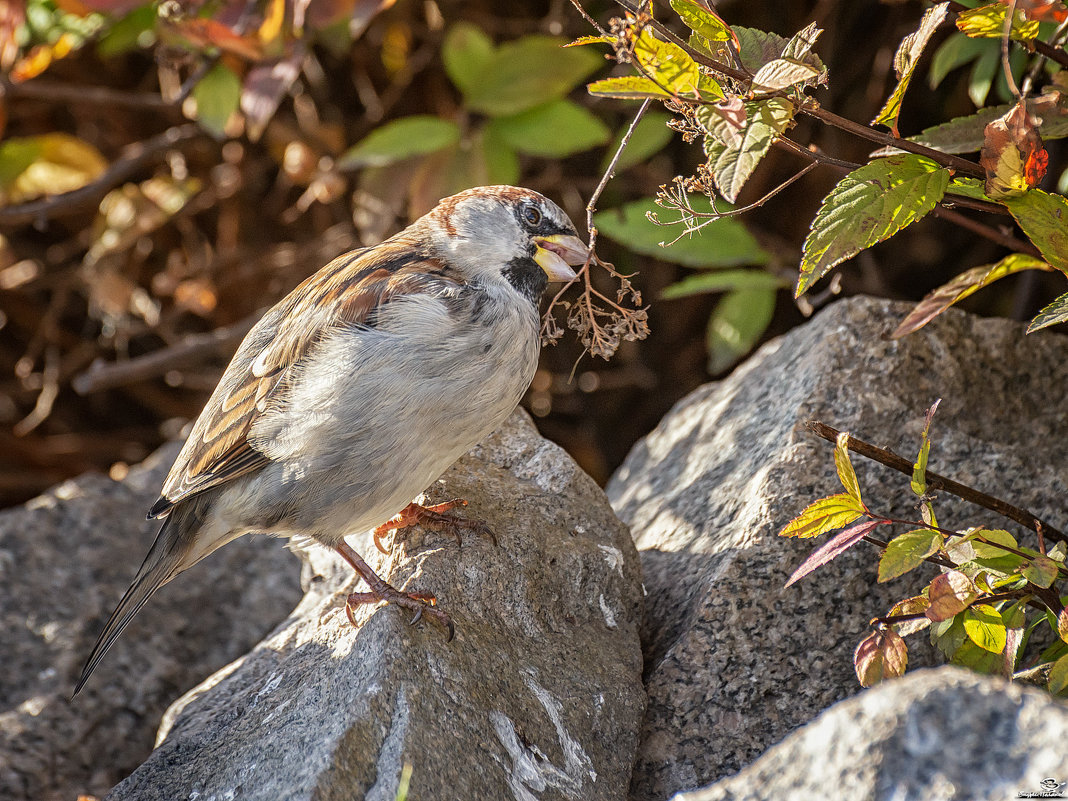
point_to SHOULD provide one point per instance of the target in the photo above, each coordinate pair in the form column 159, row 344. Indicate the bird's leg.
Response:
column 435, row 518
column 381, row 590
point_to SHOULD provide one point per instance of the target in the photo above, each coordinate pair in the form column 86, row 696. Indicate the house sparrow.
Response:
column 358, row 389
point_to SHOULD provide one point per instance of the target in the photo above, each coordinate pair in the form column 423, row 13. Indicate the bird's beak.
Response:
column 556, row 252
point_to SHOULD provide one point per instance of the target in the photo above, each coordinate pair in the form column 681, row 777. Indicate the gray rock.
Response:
column 733, row 661
column 65, row 560
column 539, row 696
column 934, row 735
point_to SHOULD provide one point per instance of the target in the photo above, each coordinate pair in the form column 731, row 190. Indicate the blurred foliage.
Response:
column 168, row 170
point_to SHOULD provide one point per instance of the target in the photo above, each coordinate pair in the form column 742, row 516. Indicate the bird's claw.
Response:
column 436, row 518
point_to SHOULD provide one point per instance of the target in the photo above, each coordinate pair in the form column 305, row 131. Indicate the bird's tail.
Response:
column 164, row 561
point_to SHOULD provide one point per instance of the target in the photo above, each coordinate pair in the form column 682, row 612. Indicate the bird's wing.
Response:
column 349, row 290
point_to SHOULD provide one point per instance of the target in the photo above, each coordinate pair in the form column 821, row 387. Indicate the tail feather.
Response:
column 163, row 562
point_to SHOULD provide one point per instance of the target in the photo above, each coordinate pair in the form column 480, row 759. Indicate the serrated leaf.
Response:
column 466, row 52
column 1044, row 218
column 401, row 139
column 628, row 87
column 911, row 606
column 587, row 40
column 869, row 205
column 525, row 73
column 667, row 64
column 736, row 325
column 1055, row 312
column 881, row 655
column 844, row 467
column 966, row 134
column 732, row 159
column 1058, row 676
column 824, row 515
column 756, row 48
column 968, row 282
column 836, row 546
column 1040, row 571
column 985, row 628
column 908, row 551
column 905, row 61
column 557, row 129
column 949, row 594
column 989, row 21
column 724, row 242
column 781, row 73
column 721, row 281
column 649, row 137
column 1062, row 624
column 1012, row 154
column 703, row 21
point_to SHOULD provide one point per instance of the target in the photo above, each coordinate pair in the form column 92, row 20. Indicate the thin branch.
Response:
column 938, row 482
column 988, row 232
column 133, row 158
column 56, row 92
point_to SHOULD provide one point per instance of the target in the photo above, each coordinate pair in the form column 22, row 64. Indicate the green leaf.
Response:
column 502, row 162
column 757, row 47
column 1040, row 571
column 587, row 40
column 938, row 300
column 627, row 87
column 1058, row 676
column 722, row 281
column 649, row 137
column 907, row 551
column 905, row 61
column 967, row 134
column 956, row 51
column 667, row 64
column 732, row 164
column 949, row 594
column 985, row 628
column 135, row 30
column 528, row 72
column 466, row 52
column 217, row 94
column 844, row 467
column 724, row 242
column 987, row 541
column 989, row 21
column 736, row 324
column 401, row 139
column 980, row 660
column 702, row 21
column 16, row 156
column 948, row 635
column 1044, row 218
column 824, row 515
column 869, row 205
column 555, row 130
column 982, row 76
column 918, row 484
column 1055, row 312
column 780, row 73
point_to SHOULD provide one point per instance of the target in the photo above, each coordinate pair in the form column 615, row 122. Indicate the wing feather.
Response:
column 349, row 290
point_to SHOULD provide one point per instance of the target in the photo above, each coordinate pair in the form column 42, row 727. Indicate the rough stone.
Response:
column 934, row 735
column 734, row 662
column 66, row 557
column 539, row 695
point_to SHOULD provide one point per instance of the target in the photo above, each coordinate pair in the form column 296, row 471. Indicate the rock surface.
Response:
column 539, row 696
column 65, row 560
column 934, row 735
column 733, row 661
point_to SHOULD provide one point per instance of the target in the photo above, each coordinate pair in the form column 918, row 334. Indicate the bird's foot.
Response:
column 381, row 590
column 435, row 518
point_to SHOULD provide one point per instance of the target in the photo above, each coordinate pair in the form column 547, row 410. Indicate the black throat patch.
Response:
column 527, row 277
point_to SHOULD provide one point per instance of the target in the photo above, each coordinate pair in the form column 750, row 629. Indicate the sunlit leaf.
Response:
column 586, row 40
column 916, row 605
column 722, row 281
column 837, row 545
column 627, row 87
column 824, row 515
column 869, row 205
column 1044, row 218
column 1012, row 154
column 1058, row 676
column 733, row 162
column 217, row 94
column 1062, row 624
column 949, row 594
column 1040, row 571
column 881, row 655
column 557, row 129
column 905, row 61
column 966, row 134
column 667, row 64
column 987, row 542
column 989, row 21
column 41, row 57
column 844, row 467
column 723, row 242
column 736, row 325
column 1056, row 312
column 401, row 139
column 908, row 551
column 781, row 73
column 703, row 21
column 940, row 299
column 48, row 164
column 757, row 47
column 918, row 483
column 985, row 628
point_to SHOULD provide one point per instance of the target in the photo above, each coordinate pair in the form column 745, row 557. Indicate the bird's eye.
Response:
column 531, row 216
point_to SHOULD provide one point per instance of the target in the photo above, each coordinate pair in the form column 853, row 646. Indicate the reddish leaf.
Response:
column 264, row 87
column 204, row 33
column 1042, row 10
column 835, row 546
column 12, row 17
column 1012, row 154
column 950, row 593
column 881, row 655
